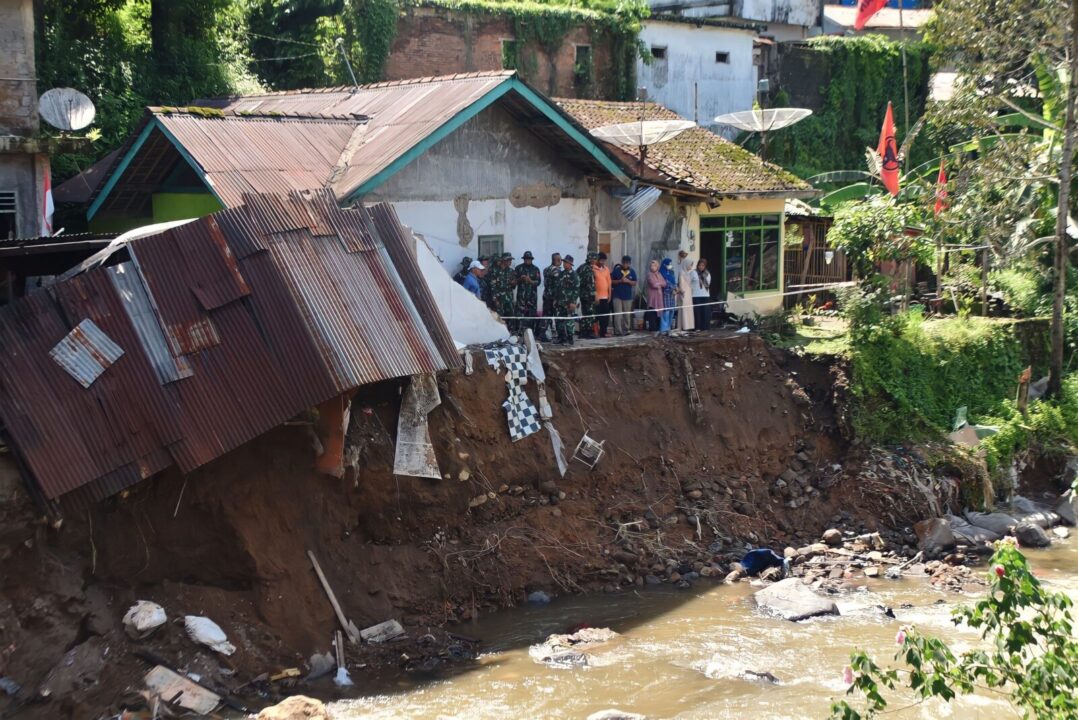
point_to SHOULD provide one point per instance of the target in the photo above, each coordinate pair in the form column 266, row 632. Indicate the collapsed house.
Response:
column 176, row 347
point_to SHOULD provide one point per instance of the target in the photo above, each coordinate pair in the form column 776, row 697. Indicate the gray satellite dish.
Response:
column 66, row 109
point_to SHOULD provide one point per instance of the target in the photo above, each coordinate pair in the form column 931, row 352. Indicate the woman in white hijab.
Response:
column 684, row 292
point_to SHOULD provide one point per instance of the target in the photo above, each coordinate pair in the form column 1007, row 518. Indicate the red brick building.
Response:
column 433, row 41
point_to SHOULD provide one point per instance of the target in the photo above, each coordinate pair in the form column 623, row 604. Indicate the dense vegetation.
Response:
column 864, row 73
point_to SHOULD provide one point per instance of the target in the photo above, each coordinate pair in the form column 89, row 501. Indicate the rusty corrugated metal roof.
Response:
column 228, row 326
column 86, row 352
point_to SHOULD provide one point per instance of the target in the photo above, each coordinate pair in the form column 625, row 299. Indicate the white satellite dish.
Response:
column 763, row 120
column 66, row 109
column 642, row 133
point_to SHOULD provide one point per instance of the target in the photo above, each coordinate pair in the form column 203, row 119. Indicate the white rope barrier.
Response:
column 802, row 291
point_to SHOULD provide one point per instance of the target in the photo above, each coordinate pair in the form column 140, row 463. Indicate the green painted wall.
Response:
column 181, row 206
column 166, row 206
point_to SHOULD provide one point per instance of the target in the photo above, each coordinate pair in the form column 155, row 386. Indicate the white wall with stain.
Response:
column 690, row 80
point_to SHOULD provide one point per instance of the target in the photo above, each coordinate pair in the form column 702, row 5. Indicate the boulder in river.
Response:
column 569, row 650
column 1067, row 508
column 297, row 707
column 832, row 537
column 935, row 537
column 1034, row 512
column 791, row 599
column 615, row 715
column 968, row 533
column 999, row 523
column 1031, row 535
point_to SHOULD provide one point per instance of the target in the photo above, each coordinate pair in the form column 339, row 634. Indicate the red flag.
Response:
column 941, row 190
column 865, row 10
column 888, row 152
column 47, row 206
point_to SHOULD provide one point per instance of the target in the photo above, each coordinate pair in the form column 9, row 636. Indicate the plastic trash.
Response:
column 206, row 632
column 143, row 618
column 756, row 561
column 343, row 679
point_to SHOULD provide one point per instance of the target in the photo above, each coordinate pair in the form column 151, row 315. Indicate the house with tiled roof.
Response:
column 719, row 202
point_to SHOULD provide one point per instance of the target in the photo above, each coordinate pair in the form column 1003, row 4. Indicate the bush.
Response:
column 1030, row 655
column 1051, row 427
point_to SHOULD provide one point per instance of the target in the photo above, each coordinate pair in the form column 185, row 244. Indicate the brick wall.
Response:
column 432, row 41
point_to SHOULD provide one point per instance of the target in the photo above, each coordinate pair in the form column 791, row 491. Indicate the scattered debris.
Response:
column 615, row 715
column 382, row 632
column 792, row 600
column 414, row 455
column 588, row 451
column 175, row 689
column 322, row 664
column 757, row 561
column 206, row 632
column 143, row 618
column 348, row 626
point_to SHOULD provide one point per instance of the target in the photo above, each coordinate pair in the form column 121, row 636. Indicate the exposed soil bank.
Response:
column 761, row 458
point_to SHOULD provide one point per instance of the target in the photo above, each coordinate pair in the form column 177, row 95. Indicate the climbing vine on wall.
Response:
column 546, row 25
column 862, row 74
column 375, row 27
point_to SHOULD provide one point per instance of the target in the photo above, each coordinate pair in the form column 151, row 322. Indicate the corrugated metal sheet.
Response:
column 245, row 154
column 304, row 301
column 86, row 352
column 636, row 204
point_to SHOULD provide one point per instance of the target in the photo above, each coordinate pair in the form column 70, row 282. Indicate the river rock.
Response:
column 1067, row 508
column 570, row 650
column 1061, row 532
column 832, row 537
column 1029, row 511
column 297, row 707
column 790, row 599
column 935, row 537
column 999, row 523
column 969, row 533
column 1031, row 535
column 615, row 715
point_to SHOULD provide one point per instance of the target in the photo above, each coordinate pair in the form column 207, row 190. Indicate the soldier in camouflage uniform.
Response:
column 501, row 289
column 566, row 293
column 550, row 275
column 586, row 278
column 527, row 278
column 484, row 280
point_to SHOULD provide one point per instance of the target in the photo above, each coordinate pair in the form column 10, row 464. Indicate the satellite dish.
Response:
column 642, row 133
column 763, row 120
column 66, row 109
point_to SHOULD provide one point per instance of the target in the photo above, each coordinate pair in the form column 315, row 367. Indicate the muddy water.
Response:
column 682, row 654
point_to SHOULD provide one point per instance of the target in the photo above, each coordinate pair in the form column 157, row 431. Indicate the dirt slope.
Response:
column 681, row 487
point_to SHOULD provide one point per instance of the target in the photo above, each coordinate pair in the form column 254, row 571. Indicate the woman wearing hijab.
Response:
column 685, row 320
column 656, row 284
column 669, row 296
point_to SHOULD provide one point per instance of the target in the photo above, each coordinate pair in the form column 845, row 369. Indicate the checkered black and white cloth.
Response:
column 521, row 414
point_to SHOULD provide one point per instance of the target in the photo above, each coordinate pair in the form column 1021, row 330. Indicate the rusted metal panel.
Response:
column 296, row 318
column 86, row 352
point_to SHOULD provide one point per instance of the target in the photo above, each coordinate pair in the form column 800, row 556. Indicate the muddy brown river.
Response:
column 682, row 654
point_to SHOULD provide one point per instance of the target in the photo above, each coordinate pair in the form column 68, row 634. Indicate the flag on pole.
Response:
column 865, row 10
column 47, row 206
column 941, row 190
column 888, row 152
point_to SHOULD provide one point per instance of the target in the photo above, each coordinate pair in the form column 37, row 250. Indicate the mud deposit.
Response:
column 682, row 486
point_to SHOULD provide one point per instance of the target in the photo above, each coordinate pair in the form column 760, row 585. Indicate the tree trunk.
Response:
column 1055, row 371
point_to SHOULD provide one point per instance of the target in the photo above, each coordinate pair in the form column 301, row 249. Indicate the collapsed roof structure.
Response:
column 209, row 334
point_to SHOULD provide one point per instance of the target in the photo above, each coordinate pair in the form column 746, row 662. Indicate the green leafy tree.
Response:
column 875, row 230
column 1029, row 654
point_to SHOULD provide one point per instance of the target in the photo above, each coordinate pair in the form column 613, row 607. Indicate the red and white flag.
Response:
column 888, row 152
column 865, row 10
column 47, row 206
column 941, row 190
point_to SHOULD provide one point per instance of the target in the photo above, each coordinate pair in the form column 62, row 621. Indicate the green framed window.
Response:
column 750, row 249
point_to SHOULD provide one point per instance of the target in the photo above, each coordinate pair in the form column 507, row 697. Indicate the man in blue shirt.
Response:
column 623, row 282
column 471, row 280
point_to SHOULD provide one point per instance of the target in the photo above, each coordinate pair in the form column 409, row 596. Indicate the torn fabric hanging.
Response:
column 415, row 453
column 520, row 413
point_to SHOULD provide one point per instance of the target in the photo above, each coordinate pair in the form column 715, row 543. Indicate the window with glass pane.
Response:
column 491, row 245
column 751, row 245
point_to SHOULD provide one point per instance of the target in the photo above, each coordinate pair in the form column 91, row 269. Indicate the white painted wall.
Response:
column 560, row 228
column 690, row 59
column 469, row 320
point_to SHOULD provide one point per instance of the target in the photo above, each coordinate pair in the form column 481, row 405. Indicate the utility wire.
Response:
column 281, row 39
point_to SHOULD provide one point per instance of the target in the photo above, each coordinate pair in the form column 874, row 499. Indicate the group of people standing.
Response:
column 603, row 295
